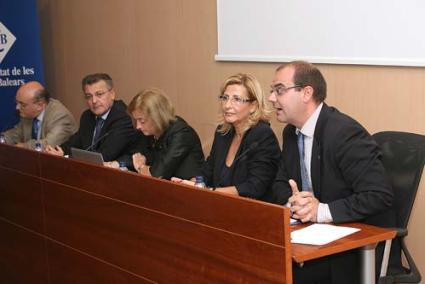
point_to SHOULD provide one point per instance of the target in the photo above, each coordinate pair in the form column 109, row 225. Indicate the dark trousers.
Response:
column 312, row 272
column 334, row 269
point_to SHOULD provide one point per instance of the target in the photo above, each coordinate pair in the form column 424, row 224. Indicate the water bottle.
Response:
column 199, row 182
column 2, row 138
column 38, row 147
column 122, row 166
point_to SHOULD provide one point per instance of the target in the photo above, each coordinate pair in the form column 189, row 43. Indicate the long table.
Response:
column 365, row 240
column 64, row 221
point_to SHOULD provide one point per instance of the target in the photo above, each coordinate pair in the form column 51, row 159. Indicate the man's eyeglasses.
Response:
column 21, row 104
column 234, row 100
column 24, row 105
column 281, row 89
column 98, row 95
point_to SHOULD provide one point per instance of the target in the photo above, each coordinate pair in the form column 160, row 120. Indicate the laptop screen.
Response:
column 87, row 156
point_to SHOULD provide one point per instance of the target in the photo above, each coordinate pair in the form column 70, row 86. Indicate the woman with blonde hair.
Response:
column 245, row 153
column 168, row 145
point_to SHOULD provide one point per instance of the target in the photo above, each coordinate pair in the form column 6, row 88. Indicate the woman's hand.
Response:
column 112, row 164
column 184, row 181
column 139, row 163
column 57, row 150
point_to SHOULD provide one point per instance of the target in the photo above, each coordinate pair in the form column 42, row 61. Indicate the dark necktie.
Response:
column 97, row 130
column 35, row 129
column 306, row 186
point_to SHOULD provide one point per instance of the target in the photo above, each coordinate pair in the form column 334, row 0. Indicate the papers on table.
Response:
column 320, row 234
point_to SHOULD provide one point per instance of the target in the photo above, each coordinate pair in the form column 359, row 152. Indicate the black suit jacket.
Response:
column 177, row 153
column 118, row 128
column 346, row 168
column 346, row 173
column 255, row 164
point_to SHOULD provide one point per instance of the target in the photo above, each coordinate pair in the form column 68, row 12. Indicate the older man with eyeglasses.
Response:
column 106, row 126
column 43, row 119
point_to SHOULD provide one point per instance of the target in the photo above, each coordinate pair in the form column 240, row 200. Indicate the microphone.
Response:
column 244, row 153
column 92, row 146
column 240, row 157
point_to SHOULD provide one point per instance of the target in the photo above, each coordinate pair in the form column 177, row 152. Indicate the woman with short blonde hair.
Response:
column 168, row 146
column 155, row 104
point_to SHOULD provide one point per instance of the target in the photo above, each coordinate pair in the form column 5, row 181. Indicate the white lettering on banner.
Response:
column 10, row 82
column 7, row 76
column 7, row 39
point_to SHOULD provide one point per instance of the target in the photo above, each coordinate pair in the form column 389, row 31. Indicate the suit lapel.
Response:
column 317, row 151
column 315, row 167
column 87, row 136
column 27, row 128
column 106, row 124
column 222, row 150
column 44, row 123
column 292, row 155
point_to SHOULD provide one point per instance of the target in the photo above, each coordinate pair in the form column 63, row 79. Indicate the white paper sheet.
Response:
column 320, row 234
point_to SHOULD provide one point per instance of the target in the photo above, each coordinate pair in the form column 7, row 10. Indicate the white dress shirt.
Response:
column 323, row 212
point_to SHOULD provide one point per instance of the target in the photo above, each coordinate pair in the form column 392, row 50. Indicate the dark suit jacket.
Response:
column 346, row 173
column 255, row 165
column 178, row 152
column 118, row 128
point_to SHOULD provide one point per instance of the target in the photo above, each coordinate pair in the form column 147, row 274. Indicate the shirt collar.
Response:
column 310, row 125
column 41, row 115
column 105, row 115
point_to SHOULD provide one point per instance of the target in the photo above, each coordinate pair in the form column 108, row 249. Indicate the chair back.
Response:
column 403, row 157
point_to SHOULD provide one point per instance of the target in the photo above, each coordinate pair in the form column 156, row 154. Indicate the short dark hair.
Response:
column 306, row 74
column 41, row 94
column 94, row 78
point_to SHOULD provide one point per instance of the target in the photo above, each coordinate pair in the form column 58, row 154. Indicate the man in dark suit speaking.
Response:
column 330, row 169
column 105, row 127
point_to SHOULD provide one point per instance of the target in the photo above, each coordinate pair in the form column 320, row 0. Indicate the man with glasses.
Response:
column 105, row 127
column 43, row 119
column 330, row 168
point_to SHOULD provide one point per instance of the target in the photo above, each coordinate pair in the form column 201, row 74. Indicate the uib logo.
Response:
column 7, row 39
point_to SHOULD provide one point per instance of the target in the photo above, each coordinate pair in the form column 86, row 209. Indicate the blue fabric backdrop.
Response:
column 20, row 54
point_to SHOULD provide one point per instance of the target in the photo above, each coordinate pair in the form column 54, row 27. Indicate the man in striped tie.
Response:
column 105, row 127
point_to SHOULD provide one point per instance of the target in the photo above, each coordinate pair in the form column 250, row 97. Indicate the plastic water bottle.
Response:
column 38, row 147
column 199, row 182
column 122, row 166
column 2, row 138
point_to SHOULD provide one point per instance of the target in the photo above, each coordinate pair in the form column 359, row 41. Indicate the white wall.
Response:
column 378, row 32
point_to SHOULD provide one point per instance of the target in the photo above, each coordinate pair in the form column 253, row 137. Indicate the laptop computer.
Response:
column 87, row 156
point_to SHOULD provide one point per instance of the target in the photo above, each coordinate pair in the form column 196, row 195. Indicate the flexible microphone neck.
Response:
column 244, row 153
column 239, row 157
column 93, row 145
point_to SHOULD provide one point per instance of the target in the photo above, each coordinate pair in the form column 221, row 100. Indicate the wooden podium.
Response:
column 64, row 221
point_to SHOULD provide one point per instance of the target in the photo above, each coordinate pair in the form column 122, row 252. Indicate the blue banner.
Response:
column 20, row 54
